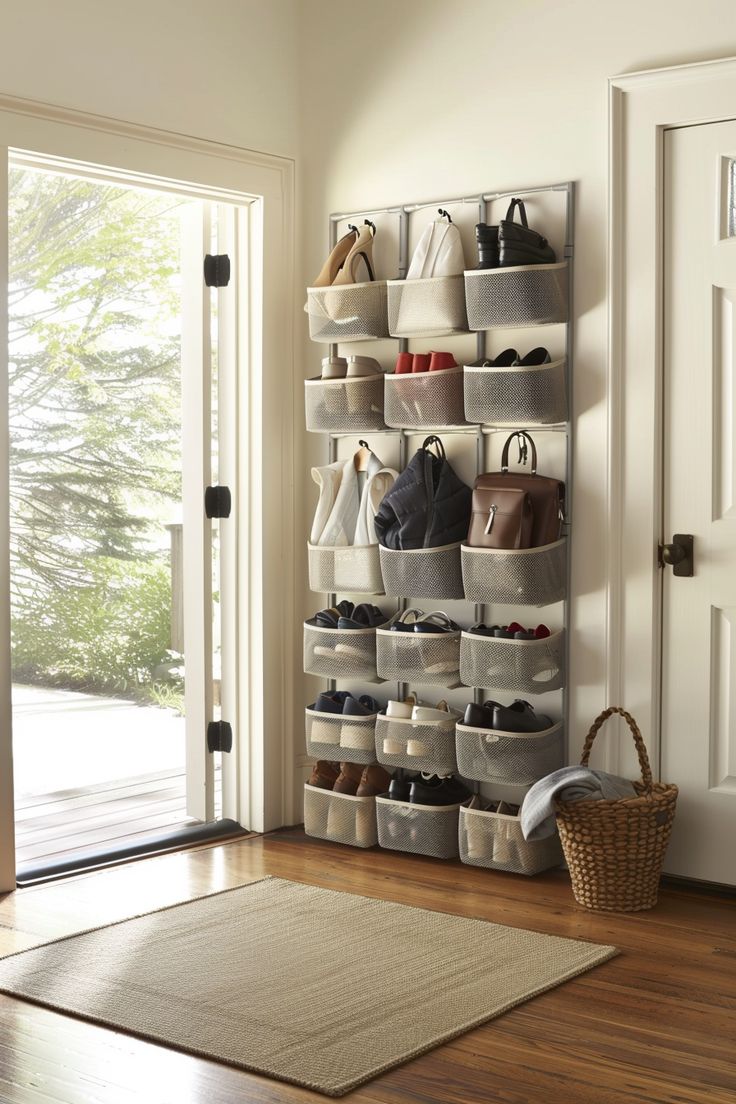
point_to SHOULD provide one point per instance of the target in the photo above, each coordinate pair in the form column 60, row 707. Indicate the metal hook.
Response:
column 371, row 224
column 364, row 444
column 444, row 213
column 523, row 449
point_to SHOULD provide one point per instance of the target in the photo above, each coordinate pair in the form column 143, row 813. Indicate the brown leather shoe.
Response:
column 375, row 780
column 324, row 774
column 349, row 778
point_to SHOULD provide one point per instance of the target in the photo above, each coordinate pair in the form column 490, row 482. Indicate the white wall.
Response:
column 416, row 99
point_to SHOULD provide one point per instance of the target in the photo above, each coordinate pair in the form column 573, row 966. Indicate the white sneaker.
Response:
column 362, row 366
column 441, row 712
column 334, row 368
column 401, row 710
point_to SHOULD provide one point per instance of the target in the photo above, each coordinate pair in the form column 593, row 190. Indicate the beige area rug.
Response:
column 319, row 988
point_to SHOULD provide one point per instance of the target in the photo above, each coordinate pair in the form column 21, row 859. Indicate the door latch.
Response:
column 218, row 502
column 678, row 555
column 216, row 270
column 219, row 736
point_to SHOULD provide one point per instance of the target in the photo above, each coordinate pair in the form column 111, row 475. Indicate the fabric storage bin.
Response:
column 350, row 312
column 339, row 653
column 524, row 295
column 525, row 576
column 344, row 405
column 422, row 829
column 416, row 745
column 341, row 818
column 336, row 737
column 509, row 758
column 424, row 399
column 495, row 841
column 516, row 396
column 522, row 666
column 422, row 572
column 432, row 307
column 352, row 569
column 418, row 657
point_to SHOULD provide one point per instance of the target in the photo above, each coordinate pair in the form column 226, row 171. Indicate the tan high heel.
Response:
column 362, row 250
column 337, row 258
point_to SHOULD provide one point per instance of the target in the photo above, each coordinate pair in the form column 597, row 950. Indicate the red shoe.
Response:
column 404, row 363
column 542, row 632
column 421, row 362
column 441, row 361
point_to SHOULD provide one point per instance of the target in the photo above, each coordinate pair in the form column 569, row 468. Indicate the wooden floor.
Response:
column 656, row 1025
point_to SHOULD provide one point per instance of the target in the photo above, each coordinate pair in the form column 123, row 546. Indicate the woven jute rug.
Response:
column 319, row 988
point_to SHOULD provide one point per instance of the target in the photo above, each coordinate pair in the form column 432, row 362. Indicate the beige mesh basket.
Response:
column 519, row 666
column 339, row 653
column 425, row 400
column 508, row 758
column 341, row 818
column 524, row 295
column 335, row 737
column 344, row 405
column 350, row 569
column 421, row 829
column 434, row 307
column 418, row 657
column 496, row 841
column 351, row 312
column 422, row 572
column 525, row 576
column 416, row 745
column 516, row 396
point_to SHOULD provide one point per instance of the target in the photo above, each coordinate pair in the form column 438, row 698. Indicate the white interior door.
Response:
column 699, row 497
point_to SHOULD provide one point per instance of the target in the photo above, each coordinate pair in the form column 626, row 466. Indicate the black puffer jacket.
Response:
column 428, row 506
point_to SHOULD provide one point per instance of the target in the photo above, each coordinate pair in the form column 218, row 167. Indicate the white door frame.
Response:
column 642, row 107
column 265, row 484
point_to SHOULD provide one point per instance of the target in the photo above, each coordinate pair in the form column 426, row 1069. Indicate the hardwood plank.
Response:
column 27, row 801
column 118, row 833
column 96, row 816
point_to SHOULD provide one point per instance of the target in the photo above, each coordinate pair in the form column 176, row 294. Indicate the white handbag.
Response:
column 439, row 252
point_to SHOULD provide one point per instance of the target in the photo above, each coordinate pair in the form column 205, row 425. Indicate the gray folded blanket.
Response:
column 567, row 784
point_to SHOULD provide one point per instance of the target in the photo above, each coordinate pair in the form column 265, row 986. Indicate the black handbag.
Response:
column 518, row 244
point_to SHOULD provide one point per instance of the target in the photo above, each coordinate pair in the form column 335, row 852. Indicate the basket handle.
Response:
column 641, row 751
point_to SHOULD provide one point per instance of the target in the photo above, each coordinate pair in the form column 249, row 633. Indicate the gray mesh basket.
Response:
column 339, row 653
column 416, row 745
column 425, row 400
column 427, row 308
column 351, row 569
column 344, row 405
column 341, row 818
column 351, row 312
column 422, row 572
column 335, row 737
column 421, row 829
column 509, row 758
column 495, row 840
column 418, row 657
column 516, row 396
column 525, row 295
column 525, row 576
column 522, row 666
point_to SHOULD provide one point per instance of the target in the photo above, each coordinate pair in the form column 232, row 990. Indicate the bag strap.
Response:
column 523, row 437
column 522, row 211
column 435, row 441
column 641, row 751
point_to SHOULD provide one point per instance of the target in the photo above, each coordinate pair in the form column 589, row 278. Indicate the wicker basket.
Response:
column 615, row 849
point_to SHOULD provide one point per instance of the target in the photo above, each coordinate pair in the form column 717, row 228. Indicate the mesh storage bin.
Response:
column 522, row 666
column 425, row 399
column 422, row 572
column 339, row 653
column 353, row 312
column 495, row 840
column 516, row 396
column 416, row 745
column 344, row 405
column 418, row 657
column 525, row 576
column 335, row 737
column 422, row 829
column 353, row 569
column 340, row 817
column 525, row 295
column 510, row 758
column 427, row 308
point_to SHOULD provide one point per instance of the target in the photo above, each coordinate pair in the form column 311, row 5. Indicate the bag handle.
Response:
column 522, row 211
column 641, row 751
column 433, row 439
column 523, row 438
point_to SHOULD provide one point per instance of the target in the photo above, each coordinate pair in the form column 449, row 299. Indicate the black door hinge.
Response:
column 217, row 270
column 218, row 502
column 219, row 736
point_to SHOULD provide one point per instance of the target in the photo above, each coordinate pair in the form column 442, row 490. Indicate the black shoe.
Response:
column 433, row 790
column 363, row 616
column 536, row 356
column 481, row 630
column 486, row 238
column 520, row 717
column 480, row 716
column 332, row 703
column 437, row 622
column 364, row 706
column 328, row 618
column 398, row 789
column 507, row 359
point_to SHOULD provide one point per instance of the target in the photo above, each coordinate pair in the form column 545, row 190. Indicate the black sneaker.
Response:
column 434, row 790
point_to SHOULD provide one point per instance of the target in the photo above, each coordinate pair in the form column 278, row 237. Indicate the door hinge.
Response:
column 218, row 502
column 219, row 736
column 216, row 270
